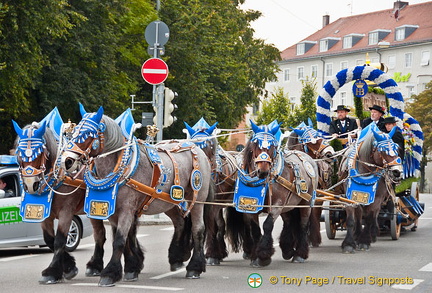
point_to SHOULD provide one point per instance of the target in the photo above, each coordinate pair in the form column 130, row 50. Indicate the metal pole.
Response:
column 160, row 106
column 158, row 5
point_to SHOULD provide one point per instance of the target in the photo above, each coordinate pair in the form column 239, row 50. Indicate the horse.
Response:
column 280, row 185
column 37, row 150
column 372, row 161
column 224, row 174
column 142, row 179
column 306, row 138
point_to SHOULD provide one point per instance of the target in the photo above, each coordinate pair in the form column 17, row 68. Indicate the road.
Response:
column 407, row 259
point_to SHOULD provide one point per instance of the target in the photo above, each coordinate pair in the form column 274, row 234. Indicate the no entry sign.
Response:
column 154, row 71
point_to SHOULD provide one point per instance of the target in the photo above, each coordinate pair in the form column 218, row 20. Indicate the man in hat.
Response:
column 389, row 123
column 342, row 124
column 377, row 113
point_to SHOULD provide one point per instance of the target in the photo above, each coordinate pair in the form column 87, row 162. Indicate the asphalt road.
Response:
column 408, row 259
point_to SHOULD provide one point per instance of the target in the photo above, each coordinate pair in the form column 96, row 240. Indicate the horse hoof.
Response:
column 106, row 282
column 288, row 255
column 259, row 263
column 213, row 261
column 91, row 272
column 48, row 280
column 192, row 275
column 364, row 247
column 176, row 266
column 348, row 249
column 131, row 277
column 246, row 256
column 298, row 259
column 71, row 274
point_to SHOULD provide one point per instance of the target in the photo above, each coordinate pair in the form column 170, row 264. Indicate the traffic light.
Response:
column 169, row 107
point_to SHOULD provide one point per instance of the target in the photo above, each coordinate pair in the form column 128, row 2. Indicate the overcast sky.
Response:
column 286, row 22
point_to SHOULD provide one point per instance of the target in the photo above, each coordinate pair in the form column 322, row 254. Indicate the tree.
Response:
column 216, row 65
column 307, row 108
column 421, row 109
column 277, row 107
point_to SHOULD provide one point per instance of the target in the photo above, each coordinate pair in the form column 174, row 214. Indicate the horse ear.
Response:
column 82, row 110
column 310, row 122
column 255, row 128
column 99, row 114
column 189, row 129
column 41, row 130
column 276, row 128
column 212, row 128
column 299, row 132
column 378, row 137
column 18, row 129
column 393, row 131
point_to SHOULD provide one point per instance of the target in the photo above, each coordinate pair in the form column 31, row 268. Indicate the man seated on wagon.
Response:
column 343, row 124
column 377, row 113
column 389, row 123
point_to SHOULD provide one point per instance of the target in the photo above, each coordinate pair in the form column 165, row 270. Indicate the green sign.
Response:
column 398, row 77
column 9, row 215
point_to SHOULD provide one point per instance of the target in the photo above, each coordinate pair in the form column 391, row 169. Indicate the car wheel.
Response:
column 74, row 235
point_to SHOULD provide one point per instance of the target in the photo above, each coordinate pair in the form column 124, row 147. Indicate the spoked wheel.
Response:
column 395, row 227
column 330, row 225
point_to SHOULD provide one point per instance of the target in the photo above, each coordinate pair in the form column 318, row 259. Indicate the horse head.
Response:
column 87, row 140
column 32, row 155
column 385, row 153
column 202, row 134
column 313, row 143
column 261, row 150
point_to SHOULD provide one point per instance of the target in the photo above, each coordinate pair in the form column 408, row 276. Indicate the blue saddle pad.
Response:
column 362, row 189
column 100, row 203
column 249, row 199
column 36, row 207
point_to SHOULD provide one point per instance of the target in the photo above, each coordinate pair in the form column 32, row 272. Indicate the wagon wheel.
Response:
column 415, row 192
column 395, row 227
column 330, row 225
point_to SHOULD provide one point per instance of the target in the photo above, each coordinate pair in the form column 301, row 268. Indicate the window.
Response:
column 400, row 34
column 408, row 60
column 286, row 75
column 373, row 38
column 329, row 69
column 391, row 62
column 323, row 45
column 300, row 49
column 292, row 101
column 343, row 96
column 347, row 42
column 300, row 73
column 314, row 70
column 344, row 64
column 425, row 57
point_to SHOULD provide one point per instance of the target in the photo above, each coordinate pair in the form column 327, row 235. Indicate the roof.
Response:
column 417, row 15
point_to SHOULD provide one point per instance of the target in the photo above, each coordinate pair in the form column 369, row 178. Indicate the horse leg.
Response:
column 358, row 224
column 370, row 227
column 315, row 227
column 179, row 250
column 215, row 232
column 349, row 245
column 197, row 264
column 252, row 235
column 265, row 249
column 48, row 232
column 113, row 271
column 62, row 262
column 302, row 247
column 95, row 264
column 133, row 255
column 286, row 239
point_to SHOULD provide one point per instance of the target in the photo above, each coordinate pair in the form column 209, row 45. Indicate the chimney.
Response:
column 326, row 20
column 399, row 5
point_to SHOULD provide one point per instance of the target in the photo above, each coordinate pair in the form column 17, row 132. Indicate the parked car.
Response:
column 15, row 232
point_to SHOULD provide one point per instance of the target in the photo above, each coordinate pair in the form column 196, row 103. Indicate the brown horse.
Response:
column 305, row 138
column 288, row 183
column 100, row 140
column 37, row 151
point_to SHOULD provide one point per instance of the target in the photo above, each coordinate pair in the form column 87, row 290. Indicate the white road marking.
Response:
column 12, row 258
column 168, row 274
column 426, row 268
column 167, row 229
column 425, row 218
column 322, row 231
column 132, row 286
column 407, row 286
column 92, row 244
column 142, row 235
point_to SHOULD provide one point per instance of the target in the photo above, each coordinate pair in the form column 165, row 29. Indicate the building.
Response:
column 400, row 37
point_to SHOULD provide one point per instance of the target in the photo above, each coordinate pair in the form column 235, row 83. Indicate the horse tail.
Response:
column 235, row 228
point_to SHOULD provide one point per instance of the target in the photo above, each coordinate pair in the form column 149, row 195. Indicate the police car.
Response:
column 15, row 232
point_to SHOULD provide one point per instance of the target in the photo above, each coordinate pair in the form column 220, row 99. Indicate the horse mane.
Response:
column 114, row 138
column 293, row 142
column 365, row 149
column 247, row 157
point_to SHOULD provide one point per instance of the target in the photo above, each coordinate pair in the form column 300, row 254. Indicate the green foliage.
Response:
column 376, row 90
column 405, row 184
column 216, row 65
column 277, row 107
column 358, row 104
column 307, row 108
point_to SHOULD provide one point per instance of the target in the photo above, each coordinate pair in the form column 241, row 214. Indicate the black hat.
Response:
column 378, row 108
column 342, row 108
column 389, row 119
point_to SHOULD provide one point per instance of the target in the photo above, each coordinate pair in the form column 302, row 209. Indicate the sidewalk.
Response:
column 160, row 219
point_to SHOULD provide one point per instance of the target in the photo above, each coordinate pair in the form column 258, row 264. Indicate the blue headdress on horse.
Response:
column 31, row 142
column 201, row 129
column 90, row 125
column 266, row 135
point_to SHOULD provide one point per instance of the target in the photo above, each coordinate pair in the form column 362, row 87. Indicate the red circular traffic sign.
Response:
column 154, row 71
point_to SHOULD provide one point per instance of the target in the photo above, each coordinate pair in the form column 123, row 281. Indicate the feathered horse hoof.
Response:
column 106, row 282
column 91, row 272
column 259, row 263
column 48, row 280
column 193, row 275
column 176, row 266
column 131, row 276
column 213, row 261
column 71, row 274
column 348, row 249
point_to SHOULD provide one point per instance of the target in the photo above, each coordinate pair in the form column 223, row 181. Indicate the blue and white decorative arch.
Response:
column 393, row 94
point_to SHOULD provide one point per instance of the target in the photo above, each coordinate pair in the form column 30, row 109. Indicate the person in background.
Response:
column 5, row 192
column 342, row 124
column 389, row 123
column 377, row 113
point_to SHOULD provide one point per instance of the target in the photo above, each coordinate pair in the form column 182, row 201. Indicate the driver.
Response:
column 5, row 192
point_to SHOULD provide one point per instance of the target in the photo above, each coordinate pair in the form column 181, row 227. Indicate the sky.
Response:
column 286, row 22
